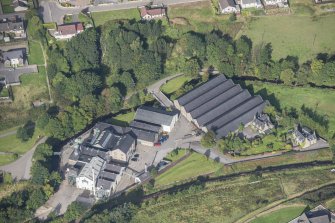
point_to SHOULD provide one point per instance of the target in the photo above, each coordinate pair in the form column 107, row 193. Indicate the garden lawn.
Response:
column 6, row 6
column 195, row 165
column 300, row 36
column 15, row 145
column 174, row 157
column 282, row 215
column 100, row 18
column 35, row 53
column 123, row 119
column 174, row 84
column 320, row 99
column 267, row 140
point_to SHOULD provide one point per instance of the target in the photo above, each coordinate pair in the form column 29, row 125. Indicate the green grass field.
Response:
column 174, row 157
column 100, row 18
column 300, row 36
column 195, row 165
column 35, row 53
column 331, row 204
column 13, row 144
column 320, row 99
column 6, row 158
column 223, row 202
column 282, row 215
column 174, row 84
column 6, row 6
column 123, row 119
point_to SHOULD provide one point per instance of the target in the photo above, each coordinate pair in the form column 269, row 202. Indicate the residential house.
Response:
column 219, row 105
column 13, row 28
column 304, row 136
column 262, row 123
column 152, row 12
column 279, row 3
column 228, row 6
column 89, row 174
column 13, row 58
column 20, row 5
column 67, row 31
column 251, row 4
column 318, row 214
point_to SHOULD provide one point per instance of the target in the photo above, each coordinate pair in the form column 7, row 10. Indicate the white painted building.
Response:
column 251, row 4
column 67, row 31
column 88, row 175
column 153, row 12
column 228, row 6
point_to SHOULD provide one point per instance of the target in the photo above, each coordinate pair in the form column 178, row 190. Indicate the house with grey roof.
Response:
column 262, row 123
column 251, row 4
column 149, row 122
column 87, row 177
column 219, row 105
column 318, row 214
column 228, row 6
column 13, row 28
column 14, row 58
column 303, row 136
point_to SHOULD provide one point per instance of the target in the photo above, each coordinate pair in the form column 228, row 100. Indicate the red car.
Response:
column 157, row 144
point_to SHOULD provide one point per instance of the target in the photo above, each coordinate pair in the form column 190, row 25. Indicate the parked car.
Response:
column 164, row 138
column 157, row 144
column 134, row 159
column 137, row 155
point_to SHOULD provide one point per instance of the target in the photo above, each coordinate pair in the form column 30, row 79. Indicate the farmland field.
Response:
column 300, row 36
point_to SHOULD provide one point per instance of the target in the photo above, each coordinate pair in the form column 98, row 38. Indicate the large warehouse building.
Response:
column 220, row 105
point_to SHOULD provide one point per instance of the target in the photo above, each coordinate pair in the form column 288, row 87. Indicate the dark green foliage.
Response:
column 82, row 51
column 192, row 45
column 40, row 174
column 73, row 212
column 42, row 152
column 26, row 132
column 208, row 140
column 112, row 99
column 36, row 199
column 191, row 67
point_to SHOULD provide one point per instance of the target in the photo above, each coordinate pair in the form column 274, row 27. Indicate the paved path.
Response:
column 8, row 134
column 51, row 11
column 20, row 169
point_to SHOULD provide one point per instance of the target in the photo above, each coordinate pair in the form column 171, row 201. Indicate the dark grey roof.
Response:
column 248, row 1
column 125, row 143
column 13, row 54
column 113, row 168
column 154, row 115
column 202, row 89
column 107, row 176
column 212, row 93
column 145, row 126
column 145, row 135
column 104, row 184
column 222, row 106
column 211, row 104
column 11, row 26
column 225, row 3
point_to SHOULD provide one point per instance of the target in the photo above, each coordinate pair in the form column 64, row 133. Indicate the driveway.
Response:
column 13, row 75
column 59, row 201
column 20, row 169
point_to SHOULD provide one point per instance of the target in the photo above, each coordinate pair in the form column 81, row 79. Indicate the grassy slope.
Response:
column 297, row 96
column 102, row 17
column 12, row 144
column 294, row 35
column 174, row 84
column 282, row 215
column 170, row 156
column 123, row 119
column 193, row 166
column 218, row 202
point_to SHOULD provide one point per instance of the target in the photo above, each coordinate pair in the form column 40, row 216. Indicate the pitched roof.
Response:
column 244, row 2
column 154, row 115
column 145, row 135
column 152, row 11
column 221, row 106
column 226, row 3
column 69, row 29
column 95, row 166
column 145, row 126
column 11, row 26
column 13, row 54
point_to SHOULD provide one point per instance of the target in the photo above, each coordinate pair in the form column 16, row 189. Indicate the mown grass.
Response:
column 35, row 53
column 301, row 36
column 122, row 119
column 174, row 84
column 176, row 156
column 15, row 145
column 6, row 158
column 322, row 100
column 100, row 18
column 282, row 215
column 195, row 165
column 331, row 204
